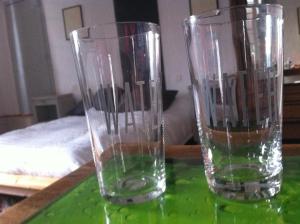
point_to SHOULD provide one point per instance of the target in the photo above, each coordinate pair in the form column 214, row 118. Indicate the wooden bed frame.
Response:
column 23, row 185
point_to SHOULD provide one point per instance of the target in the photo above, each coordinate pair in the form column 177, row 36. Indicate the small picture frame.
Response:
column 73, row 20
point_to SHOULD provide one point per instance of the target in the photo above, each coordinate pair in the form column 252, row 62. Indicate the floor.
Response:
column 8, row 200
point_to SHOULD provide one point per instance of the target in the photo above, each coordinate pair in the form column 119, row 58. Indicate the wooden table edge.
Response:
column 27, row 208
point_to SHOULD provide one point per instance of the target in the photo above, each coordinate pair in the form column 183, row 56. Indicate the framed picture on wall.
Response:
column 197, row 7
column 73, row 20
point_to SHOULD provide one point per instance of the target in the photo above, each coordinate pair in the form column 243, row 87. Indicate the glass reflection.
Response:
column 149, row 212
column 268, row 211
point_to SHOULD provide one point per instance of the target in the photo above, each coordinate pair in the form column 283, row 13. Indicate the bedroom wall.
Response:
column 8, row 97
column 291, row 30
column 94, row 11
column 171, row 15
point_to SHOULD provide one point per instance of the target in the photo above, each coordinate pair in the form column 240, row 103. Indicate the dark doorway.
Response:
column 136, row 10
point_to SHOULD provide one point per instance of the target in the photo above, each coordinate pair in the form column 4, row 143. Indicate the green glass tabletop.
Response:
column 186, row 200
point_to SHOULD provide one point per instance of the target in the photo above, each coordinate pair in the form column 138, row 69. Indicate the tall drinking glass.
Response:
column 119, row 75
column 235, row 57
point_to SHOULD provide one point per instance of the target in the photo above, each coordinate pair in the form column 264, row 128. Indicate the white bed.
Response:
column 53, row 149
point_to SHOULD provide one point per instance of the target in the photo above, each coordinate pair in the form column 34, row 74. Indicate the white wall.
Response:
column 291, row 30
column 8, row 95
column 171, row 16
column 171, row 13
column 94, row 11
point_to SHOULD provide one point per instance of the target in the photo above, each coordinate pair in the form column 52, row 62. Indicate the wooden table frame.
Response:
column 32, row 205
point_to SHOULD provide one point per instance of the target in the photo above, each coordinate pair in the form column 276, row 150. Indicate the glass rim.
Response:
column 95, row 26
column 194, row 18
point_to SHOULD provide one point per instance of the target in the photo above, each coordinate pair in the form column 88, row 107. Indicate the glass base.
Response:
column 137, row 190
column 246, row 189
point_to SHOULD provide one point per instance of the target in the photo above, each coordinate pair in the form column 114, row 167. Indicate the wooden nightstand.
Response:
column 48, row 108
column 12, row 122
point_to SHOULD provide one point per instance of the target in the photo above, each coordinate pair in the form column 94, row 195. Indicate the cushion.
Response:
column 168, row 97
column 78, row 110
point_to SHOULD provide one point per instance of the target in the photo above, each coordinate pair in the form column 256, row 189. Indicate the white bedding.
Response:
column 58, row 147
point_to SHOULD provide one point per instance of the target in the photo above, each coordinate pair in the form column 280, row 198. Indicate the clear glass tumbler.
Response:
column 236, row 66
column 119, row 74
